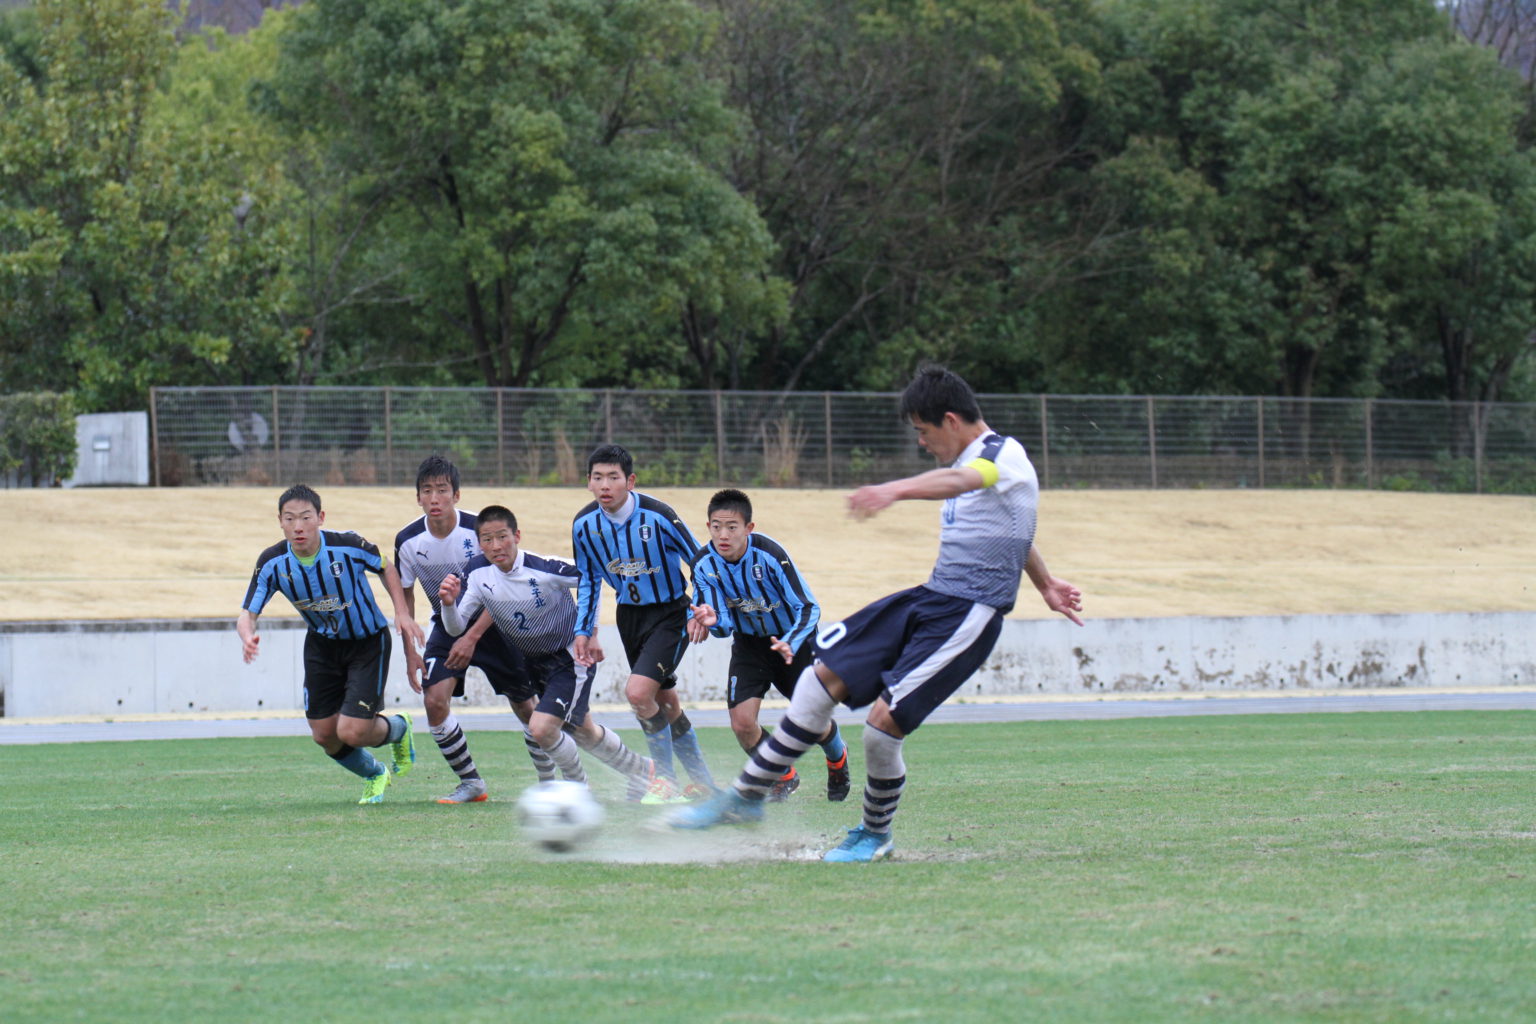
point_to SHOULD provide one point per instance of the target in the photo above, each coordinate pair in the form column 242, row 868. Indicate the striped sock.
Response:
column 450, row 740
column 803, row 725
column 886, row 779
column 543, row 764
column 610, row 750
column 568, row 756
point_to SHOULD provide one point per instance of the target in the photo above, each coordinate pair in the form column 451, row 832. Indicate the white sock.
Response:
column 887, row 777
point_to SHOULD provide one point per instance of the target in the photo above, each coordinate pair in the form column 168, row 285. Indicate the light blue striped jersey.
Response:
column 985, row 534
column 641, row 557
column 760, row 594
column 332, row 592
column 421, row 556
column 531, row 605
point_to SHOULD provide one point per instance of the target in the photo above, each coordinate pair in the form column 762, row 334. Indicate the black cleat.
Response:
column 837, row 779
column 785, row 786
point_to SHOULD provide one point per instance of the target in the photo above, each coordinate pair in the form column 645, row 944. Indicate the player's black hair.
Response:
column 434, row 467
column 496, row 514
column 731, row 500
column 935, row 391
column 299, row 492
column 611, row 455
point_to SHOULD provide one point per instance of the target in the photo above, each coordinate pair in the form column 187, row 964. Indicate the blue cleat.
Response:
column 727, row 807
column 861, row 846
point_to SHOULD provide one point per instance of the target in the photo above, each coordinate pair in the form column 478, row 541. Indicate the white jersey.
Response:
column 430, row 559
column 531, row 605
column 986, row 533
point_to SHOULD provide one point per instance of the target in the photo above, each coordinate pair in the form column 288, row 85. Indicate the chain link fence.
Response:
column 520, row 437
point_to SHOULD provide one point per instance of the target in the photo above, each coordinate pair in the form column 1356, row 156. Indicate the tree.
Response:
column 544, row 171
column 1319, row 192
column 123, row 264
column 900, row 153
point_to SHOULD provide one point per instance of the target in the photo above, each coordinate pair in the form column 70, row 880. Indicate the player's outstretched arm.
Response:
column 1060, row 596
column 250, row 640
column 935, row 484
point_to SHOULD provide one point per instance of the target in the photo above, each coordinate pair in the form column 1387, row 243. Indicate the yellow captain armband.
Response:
column 987, row 468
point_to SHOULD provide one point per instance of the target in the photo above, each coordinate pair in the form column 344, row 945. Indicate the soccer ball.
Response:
column 558, row 815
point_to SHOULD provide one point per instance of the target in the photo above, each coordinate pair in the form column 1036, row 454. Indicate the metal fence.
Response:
column 518, row 437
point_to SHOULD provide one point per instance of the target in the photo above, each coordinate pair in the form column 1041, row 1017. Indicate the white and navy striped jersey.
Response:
column 331, row 592
column 430, row 559
column 760, row 594
column 986, row 533
column 531, row 605
column 641, row 556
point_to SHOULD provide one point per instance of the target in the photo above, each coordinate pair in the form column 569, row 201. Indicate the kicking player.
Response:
column 639, row 546
column 346, row 650
column 746, row 584
column 528, row 596
column 907, row 653
column 439, row 544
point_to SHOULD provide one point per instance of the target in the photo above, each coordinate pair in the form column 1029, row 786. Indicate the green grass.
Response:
column 1365, row 867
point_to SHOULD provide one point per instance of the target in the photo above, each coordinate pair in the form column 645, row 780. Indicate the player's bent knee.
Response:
column 642, row 691
column 355, row 732
column 545, row 730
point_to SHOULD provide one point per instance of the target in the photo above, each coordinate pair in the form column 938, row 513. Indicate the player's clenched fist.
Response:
column 448, row 591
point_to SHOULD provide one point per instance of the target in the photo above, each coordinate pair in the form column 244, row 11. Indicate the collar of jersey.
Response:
column 312, row 559
column 630, row 504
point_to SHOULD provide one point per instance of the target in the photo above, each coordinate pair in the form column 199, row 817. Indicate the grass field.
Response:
column 1337, row 867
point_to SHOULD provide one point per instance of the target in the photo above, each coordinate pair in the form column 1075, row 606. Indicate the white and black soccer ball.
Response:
column 559, row 815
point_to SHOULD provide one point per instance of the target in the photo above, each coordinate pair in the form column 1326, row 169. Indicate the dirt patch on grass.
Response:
column 188, row 553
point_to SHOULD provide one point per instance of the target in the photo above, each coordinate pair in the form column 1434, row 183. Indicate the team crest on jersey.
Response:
column 757, row 572
column 336, row 569
column 645, row 533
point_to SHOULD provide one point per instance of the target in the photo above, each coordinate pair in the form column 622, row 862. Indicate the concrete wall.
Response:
column 105, row 668
column 111, row 448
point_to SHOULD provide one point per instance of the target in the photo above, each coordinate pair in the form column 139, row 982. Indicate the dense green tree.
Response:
column 1315, row 196
column 900, row 153
column 541, row 173
column 122, row 262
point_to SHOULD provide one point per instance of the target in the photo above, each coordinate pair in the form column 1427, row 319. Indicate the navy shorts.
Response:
column 914, row 648
column 502, row 664
column 655, row 637
column 344, row 676
column 755, row 666
column 565, row 685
